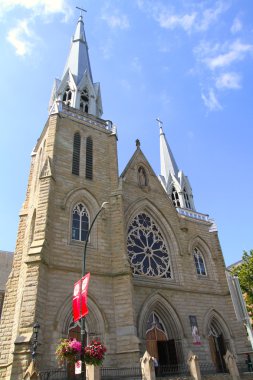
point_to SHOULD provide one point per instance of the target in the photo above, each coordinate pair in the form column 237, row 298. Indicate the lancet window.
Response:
column 147, row 251
column 186, row 199
column 89, row 158
column 84, row 101
column 76, row 153
column 80, row 222
column 199, row 262
column 67, row 96
column 175, row 197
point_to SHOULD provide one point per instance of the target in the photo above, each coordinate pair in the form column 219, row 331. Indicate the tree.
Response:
column 244, row 271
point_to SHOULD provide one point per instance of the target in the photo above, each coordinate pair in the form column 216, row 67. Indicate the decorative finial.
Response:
column 160, row 123
column 82, row 10
column 137, row 142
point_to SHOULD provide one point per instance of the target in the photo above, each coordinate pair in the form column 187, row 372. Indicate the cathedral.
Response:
column 157, row 273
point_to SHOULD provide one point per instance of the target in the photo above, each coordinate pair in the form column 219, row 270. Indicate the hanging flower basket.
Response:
column 94, row 353
column 68, row 350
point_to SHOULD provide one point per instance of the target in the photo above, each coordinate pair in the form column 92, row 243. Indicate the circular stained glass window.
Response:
column 147, row 251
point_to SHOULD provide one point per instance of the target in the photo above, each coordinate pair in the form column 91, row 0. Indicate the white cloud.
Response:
column 37, row 7
column 211, row 101
column 198, row 19
column 228, row 81
column 236, row 26
column 236, row 52
column 210, row 16
column 114, row 18
column 172, row 21
column 20, row 37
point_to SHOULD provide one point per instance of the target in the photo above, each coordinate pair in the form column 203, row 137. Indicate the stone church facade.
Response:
column 157, row 271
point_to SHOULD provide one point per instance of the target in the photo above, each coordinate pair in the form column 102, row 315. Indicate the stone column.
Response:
column 93, row 372
column 193, row 363
column 231, row 365
column 147, row 367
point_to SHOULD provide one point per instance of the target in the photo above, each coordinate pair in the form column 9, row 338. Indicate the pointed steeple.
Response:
column 168, row 163
column 175, row 183
column 76, row 88
column 78, row 60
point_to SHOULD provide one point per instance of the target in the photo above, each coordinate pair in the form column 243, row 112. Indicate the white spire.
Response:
column 168, row 163
column 78, row 60
column 175, row 183
column 76, row 88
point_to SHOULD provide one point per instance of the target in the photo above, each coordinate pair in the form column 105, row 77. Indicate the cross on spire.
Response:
column 160, row 123
column 81, row 11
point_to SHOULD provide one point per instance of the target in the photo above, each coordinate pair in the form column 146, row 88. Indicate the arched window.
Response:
column 80, row 222
column 175, row 197
column 199, row 262
column 89, row 158
column 147, row 251
column 67, row 96
column 84, row 101
column 76, row 153
column 186, row 198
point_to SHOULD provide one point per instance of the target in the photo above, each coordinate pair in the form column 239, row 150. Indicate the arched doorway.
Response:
column 217, row 345
column 158, row 344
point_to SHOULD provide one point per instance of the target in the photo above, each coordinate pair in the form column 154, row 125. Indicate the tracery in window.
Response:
column 154, row 322
column 80, row 222
column 199, row 262
column 175, row 197
column 186, row 198
column 147, row 251
column 84, row 101
column 76, row 153
column 67, row 96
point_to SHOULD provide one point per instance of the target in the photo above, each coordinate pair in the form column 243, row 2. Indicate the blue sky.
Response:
column 188, row 62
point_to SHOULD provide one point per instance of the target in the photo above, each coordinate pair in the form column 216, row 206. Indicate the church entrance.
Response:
column 158, row 344
column 217, row 347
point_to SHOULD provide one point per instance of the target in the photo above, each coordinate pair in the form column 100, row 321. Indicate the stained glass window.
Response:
column 199, row 262
column 80, row 222
column 147, row 251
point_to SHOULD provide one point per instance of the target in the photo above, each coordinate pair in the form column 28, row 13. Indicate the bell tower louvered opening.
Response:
column 76, row 153
column 89, row 158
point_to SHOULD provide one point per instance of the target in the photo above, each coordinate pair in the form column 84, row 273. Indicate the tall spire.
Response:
column 78, row 60
column 76, row 88
column 175, row 183
column 168, row 163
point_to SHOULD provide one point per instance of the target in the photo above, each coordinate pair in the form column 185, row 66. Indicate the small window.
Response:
column 186, row 199
column 84, row 101
column 76, row 153
column 175, row 197
column 89, row 158
column 80, row 222
column 199, row 262
column 67, row 96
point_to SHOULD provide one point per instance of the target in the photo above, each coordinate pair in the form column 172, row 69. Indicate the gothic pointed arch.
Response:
column 96, row 322
column 219, row 338
column 199, row 247
column 167, row 324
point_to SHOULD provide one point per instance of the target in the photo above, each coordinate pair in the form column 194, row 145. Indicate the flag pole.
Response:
column 83, row 335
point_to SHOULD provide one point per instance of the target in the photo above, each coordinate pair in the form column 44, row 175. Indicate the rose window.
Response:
column 147, row 251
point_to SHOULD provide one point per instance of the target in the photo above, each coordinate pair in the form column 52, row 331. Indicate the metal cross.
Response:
column 160, row 123
column 82, row 10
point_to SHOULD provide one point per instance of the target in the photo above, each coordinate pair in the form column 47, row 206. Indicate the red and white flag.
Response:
column 80, row 296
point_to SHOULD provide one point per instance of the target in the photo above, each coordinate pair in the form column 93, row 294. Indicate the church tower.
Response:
column 74, row 169
column 156, row 267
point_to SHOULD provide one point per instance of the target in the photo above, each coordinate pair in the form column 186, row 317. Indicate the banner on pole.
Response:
column 80, row 296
